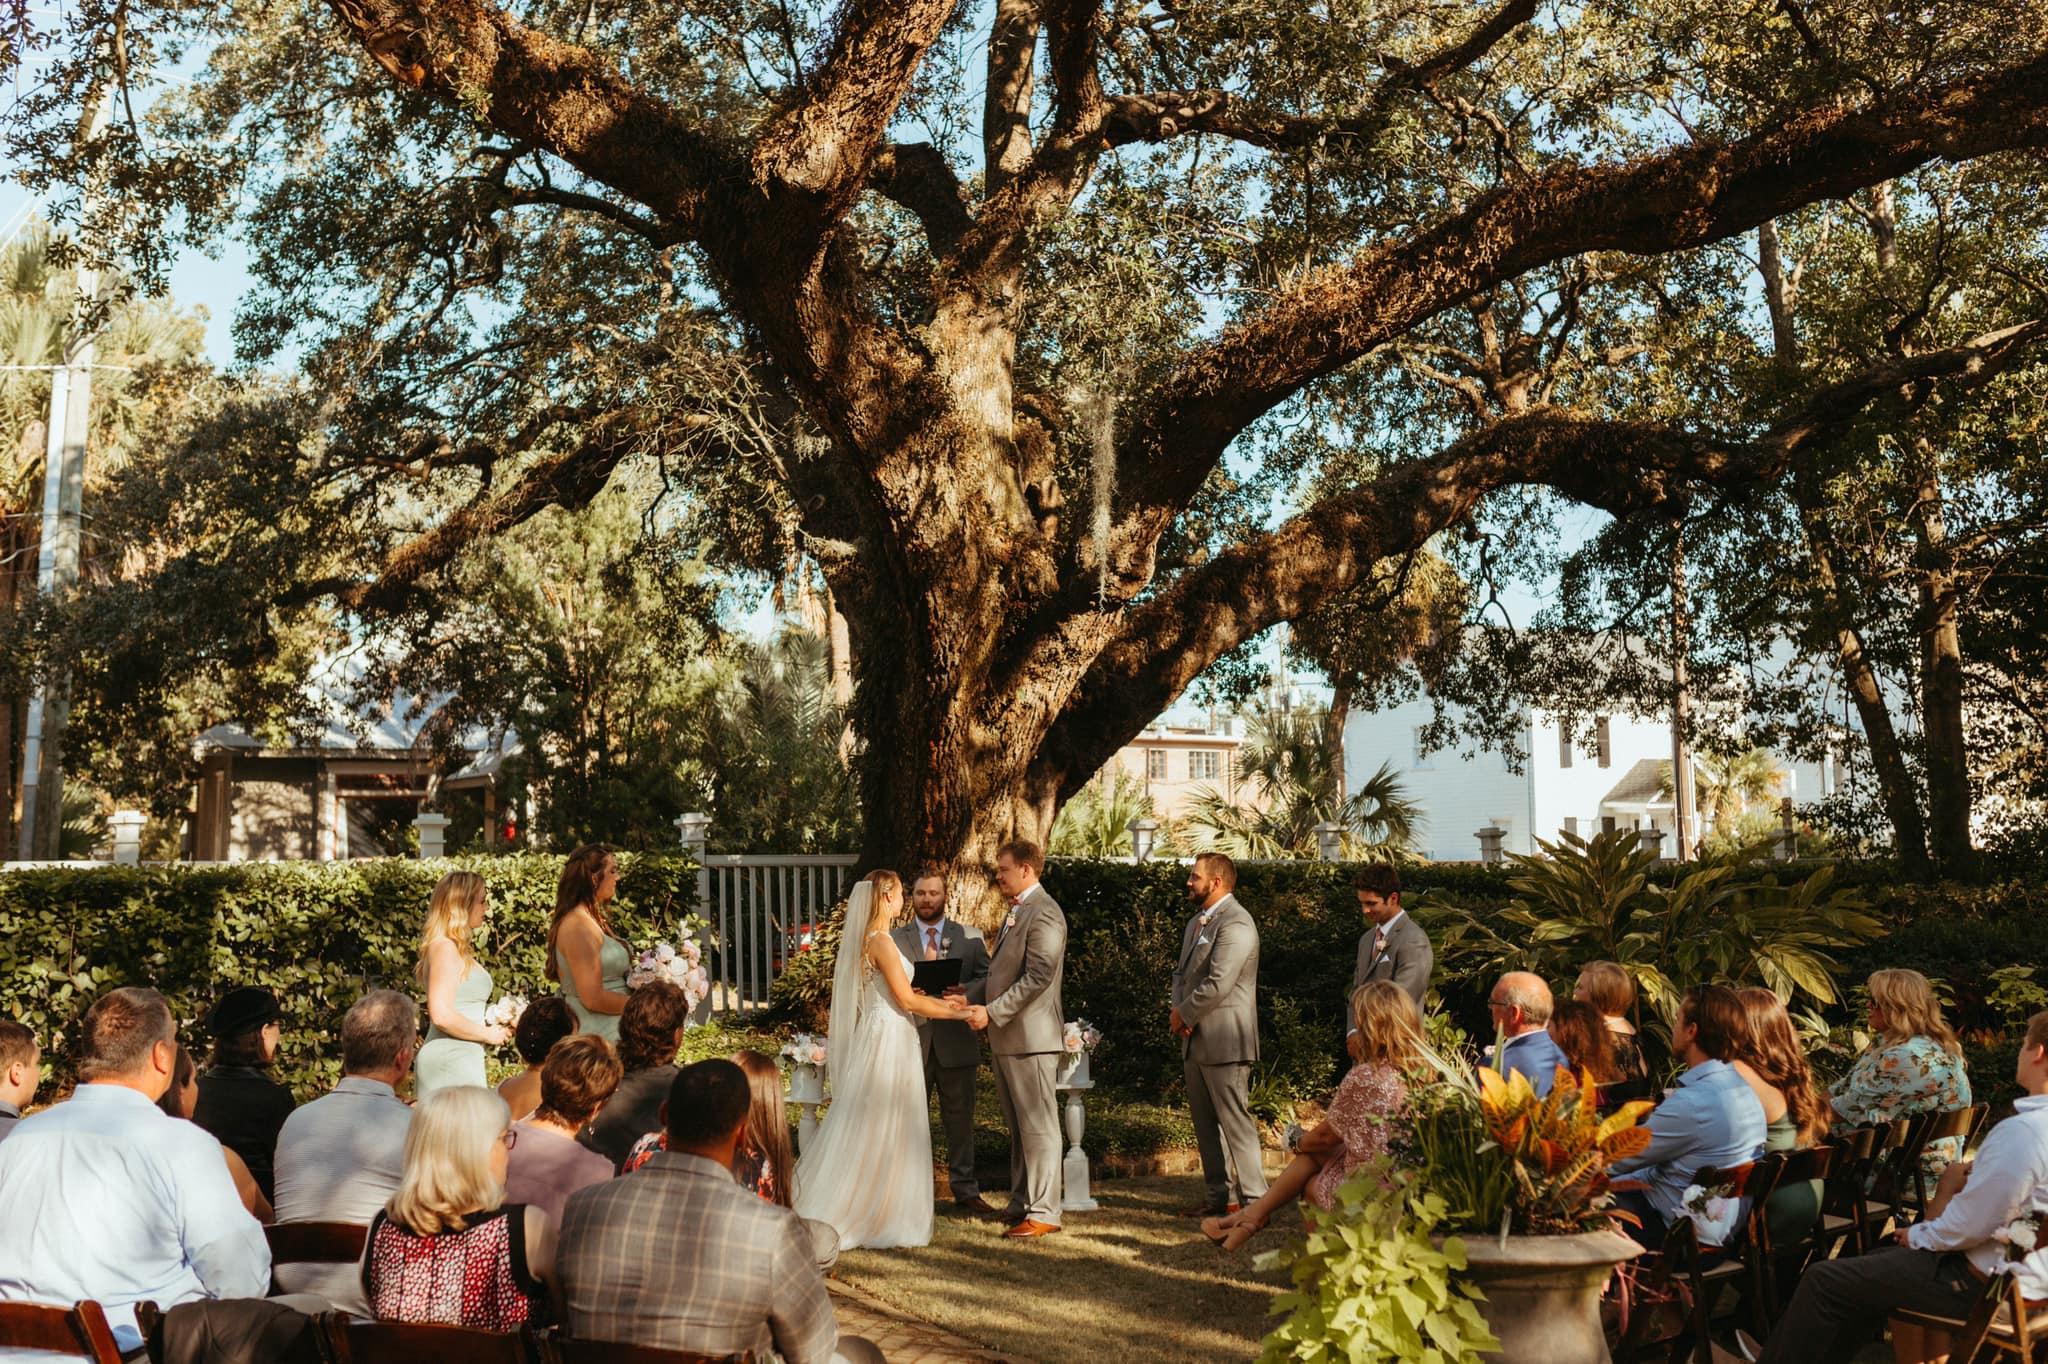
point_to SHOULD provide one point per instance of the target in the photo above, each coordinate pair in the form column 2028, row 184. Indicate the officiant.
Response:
column 952, row 1051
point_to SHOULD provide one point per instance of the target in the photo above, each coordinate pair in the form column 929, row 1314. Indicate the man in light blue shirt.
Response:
column 1521, row 1005
column 109, row 1198
column 1712, row 1120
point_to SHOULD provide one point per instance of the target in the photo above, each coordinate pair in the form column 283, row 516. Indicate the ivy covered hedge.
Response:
column 318, row 934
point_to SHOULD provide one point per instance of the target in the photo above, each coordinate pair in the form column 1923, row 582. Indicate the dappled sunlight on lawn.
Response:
column 1129, row 1282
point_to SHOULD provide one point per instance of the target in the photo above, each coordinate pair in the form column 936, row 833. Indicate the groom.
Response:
column 1018, row 1003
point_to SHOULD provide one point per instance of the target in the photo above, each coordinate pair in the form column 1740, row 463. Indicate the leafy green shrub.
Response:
column 318, row 934
column 1371, row 1285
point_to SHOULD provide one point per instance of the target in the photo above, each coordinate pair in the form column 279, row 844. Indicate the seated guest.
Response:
column 545, row 1022
column 1612, row 990
column 650, row 1031
column 1712, row 1119
column 341, row 1157
column 548, row 1163
column 21, row 1070
column 764, row 1159
column 1520, row 1005
column 448, row 1250
column 1913, row 1064
column 1770, row 1052
column 177, row 1102
column 1937, row 1265
column 108, row 1199
column 680, row 1257
column 239, row 1102
column 1581, row 1034
column 1386, row 1038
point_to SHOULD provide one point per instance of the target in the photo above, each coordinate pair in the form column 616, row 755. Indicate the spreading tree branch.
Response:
column 915, row 175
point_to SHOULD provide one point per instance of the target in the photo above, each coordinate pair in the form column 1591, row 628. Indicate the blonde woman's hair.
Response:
column 1911, row 1010
column 448, row 918
column 1389, row 1024
column 447, row 1174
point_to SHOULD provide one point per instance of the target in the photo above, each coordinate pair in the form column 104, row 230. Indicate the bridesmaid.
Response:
column 457, row 987
column 583, row 955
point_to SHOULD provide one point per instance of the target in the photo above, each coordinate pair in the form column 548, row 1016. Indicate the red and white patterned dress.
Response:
column 1370, row 1095
column 476, row 1277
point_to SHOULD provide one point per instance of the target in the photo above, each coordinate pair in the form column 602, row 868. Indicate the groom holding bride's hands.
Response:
column 1018, row 1005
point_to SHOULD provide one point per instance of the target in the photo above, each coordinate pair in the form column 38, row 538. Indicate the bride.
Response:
column 867, row 1171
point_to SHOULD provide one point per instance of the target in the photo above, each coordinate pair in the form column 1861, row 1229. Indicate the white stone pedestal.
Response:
column 1073, row 1077
column 806, row 1091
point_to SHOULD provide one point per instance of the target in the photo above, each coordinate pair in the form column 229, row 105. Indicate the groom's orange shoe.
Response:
column 1028, row 1228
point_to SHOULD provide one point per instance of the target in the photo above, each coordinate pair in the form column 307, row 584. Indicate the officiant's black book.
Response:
column 937, row 976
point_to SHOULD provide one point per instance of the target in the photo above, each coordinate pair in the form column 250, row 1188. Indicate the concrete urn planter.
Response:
column 1543, row 1293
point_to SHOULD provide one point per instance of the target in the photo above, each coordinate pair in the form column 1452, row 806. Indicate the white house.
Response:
column 1605, row 776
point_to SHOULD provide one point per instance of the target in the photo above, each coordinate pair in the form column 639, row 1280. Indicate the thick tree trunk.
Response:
column 1941, row 683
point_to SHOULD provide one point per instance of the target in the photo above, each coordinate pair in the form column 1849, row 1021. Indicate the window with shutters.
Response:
column 1155, row 764
column 1204, row 764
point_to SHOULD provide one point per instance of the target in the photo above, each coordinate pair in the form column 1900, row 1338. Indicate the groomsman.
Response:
column 952, row 1053
column 1393, row 946
column 1216, row 1016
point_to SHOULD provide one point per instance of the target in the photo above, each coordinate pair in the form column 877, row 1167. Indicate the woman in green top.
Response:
column 457, row 985
column 583, row 955
column 1800, row 1115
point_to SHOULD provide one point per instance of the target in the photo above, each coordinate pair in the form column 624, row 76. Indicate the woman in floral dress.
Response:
column 1355, row 1130
column 1914, row 1064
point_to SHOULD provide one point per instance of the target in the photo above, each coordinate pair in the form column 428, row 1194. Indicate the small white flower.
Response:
column 664, row 952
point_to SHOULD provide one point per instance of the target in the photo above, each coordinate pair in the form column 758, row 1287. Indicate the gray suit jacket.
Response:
column 677, row 1255
column 1022, row 988
column 1215, row 985
column 950, row 1043
column 1407, row 961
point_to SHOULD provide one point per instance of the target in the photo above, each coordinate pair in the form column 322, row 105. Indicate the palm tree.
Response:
column 1287, row 761
column 1097, row 821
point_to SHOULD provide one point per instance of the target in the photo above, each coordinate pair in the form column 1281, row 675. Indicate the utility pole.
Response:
column 49, row 710
column 1681, row 704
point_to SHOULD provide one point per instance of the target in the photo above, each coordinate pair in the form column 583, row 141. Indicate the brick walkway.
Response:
column 902, row 1339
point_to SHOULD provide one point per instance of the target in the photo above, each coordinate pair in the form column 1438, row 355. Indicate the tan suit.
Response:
column 1025, row 1028
column 1215, row 987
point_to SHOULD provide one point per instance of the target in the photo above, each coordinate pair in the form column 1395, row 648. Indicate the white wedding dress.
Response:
column 867, row 1171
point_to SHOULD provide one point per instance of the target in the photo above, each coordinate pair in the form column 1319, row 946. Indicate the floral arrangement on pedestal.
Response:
column 1077, row 1042
column 806, row 1049
column 807, row 1054
column 679, row 963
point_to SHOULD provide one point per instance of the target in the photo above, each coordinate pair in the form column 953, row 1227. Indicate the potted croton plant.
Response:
column 1485, row 1235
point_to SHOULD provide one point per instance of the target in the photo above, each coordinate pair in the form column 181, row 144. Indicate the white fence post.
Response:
column 1143, row 833
column 433, row 831
column 1489, row 844
column 1329, row 842
column 127, row 827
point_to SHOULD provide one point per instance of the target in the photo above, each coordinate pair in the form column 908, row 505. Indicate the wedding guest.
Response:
column 545, row 1022
column 341, row 1157
column 178, row 1101
column 1520, row 1004
column 548, row 1163
column 1386, row 1040
column 1914, row 1064
column 764, row 1158
column 107, row 1198
column 1609, row 988
column 1711, row 1119
column 583, row 955
column 457, row 986
column 1939, row 1264
column 952, row 1053
column 239, row 1101
column 1588, row 1047
column 448, row 1249
column 21, row 1070
column 680, row 1257
column 1799, row 1115
column 1213, row 1010
column 1393, row 947
column 650, row 1033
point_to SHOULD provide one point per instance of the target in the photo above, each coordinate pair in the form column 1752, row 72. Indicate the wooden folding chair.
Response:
column 313, row 1243
column 1685, row 1267
column 79, row 1331
column 1781, row 1262
column 2001, row 1321
column 390, row 1342
column 1890, row 1181
column 562, row 1351
column 1956, row 1122
column 1855, row 1151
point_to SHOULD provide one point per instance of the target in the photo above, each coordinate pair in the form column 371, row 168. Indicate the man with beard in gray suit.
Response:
column 952, row 1053
column 1018, row 1005
column 1216, row 1016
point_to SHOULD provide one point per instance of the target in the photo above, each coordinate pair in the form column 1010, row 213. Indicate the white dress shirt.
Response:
column 2008, row 1180
column 106, row 1197
column 339, row 1159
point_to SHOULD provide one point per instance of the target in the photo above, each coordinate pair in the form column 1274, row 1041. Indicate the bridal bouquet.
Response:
column 507, row 1012
column 680, row 964
column 805, row 1050
column 1080, row 1036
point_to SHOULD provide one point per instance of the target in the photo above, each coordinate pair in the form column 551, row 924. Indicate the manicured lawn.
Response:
column 1129, row 1282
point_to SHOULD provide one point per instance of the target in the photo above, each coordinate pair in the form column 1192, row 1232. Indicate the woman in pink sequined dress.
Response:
column 1355, row 1129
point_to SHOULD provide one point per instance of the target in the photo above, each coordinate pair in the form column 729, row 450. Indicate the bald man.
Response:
column 1520, row 1005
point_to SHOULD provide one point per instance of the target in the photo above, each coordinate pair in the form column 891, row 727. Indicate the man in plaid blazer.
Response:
column 678, row 1256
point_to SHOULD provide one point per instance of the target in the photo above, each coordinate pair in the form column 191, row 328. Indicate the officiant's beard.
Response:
column 928, row 914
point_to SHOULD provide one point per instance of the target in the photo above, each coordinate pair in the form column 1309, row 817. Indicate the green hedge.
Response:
column 318, row 934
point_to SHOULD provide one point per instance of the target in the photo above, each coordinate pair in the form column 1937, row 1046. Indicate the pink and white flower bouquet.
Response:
column 679, row 963
column 1080, row 1036
column 806, row 1050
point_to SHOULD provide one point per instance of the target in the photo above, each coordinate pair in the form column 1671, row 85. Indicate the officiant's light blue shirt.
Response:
column 1710, row 1121
column 104, row 1196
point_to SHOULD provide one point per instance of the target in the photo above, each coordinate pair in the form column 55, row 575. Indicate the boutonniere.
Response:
column 1010, row 922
